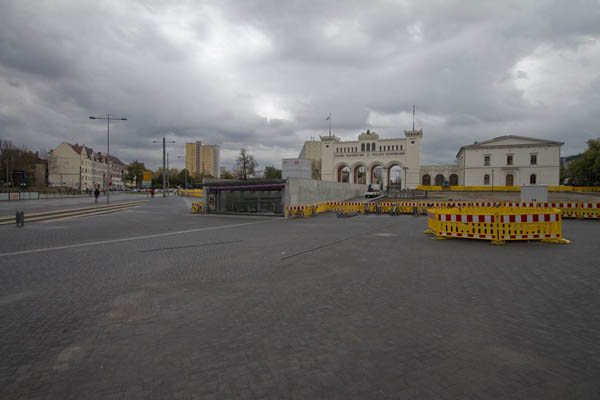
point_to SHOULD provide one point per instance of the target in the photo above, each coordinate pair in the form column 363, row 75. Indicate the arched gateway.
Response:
column 372, row 160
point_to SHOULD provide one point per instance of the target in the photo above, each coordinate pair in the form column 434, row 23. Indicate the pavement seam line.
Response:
column 83, row 215
column 67, row 215
column 189, row 246
column 7, row 218
column 326, row 245
column 101, row 242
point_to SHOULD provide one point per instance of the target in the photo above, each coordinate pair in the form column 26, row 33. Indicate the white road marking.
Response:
column 71, row 246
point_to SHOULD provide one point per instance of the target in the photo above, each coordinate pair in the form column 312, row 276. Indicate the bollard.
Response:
column 20, row 219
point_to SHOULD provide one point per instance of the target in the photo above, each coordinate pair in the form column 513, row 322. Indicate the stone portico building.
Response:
column 371, row 159
column 503, row 161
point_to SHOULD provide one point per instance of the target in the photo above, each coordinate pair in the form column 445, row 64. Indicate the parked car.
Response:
column 373, row 190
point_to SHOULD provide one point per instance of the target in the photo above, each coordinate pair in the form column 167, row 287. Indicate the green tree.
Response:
column 245, row 164
column 272, row 173
column 586, row 171
column 184, row 176
column 13, row 159
column 135, row 173
column 227, row 175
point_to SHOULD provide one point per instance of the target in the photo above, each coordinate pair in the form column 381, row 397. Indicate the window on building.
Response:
column 533, row 159
column 362, row 147
column 486, row 179
column 532, row 179
column 486, row 160
column 373, row 146
column 400, row 147
column 368, row 146
column 509, row 159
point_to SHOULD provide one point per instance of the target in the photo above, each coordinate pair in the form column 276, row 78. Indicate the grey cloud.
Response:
column 196, row 71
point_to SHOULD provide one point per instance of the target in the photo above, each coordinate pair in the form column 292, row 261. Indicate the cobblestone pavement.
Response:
column 156, row 303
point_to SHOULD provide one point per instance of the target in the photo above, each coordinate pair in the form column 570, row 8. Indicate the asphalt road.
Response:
column 153, row 302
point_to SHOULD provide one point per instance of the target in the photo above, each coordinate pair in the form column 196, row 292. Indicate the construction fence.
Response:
column 507, row 188
column 581, row 210
column 190, row 193
column 496, row 224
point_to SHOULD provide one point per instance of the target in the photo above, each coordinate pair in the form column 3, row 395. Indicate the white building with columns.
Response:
column 503, row 161
column 371, row 159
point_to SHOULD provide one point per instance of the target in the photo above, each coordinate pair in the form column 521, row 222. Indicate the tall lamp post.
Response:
column 164, row 142
column 184, row 175
column 108, row 118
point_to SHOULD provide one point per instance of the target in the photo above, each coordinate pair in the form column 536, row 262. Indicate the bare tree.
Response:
column 245, row 164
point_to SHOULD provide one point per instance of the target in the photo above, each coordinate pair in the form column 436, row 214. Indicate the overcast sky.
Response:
column 265, row 74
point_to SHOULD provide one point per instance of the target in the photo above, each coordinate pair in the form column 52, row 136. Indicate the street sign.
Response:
column 19, row 175
column 147, row 176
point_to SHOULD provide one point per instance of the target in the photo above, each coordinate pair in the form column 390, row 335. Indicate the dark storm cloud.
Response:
column 264, row 74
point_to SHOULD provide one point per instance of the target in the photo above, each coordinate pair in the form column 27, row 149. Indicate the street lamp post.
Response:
column 108, row 118
column 164, row 142
column 184, row 175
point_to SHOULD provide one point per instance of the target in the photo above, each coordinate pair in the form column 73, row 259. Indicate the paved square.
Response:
column 155, row 303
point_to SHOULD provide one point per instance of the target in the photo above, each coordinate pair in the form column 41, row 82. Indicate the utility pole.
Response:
column 164, row 174
column 6, row 172
column 168, row 174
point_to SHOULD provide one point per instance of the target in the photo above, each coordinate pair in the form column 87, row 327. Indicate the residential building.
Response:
column 202, row 159
column 40, row 172
column 79, row 167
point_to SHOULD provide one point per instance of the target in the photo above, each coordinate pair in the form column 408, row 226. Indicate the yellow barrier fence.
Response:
column 567, row 209
column 307, row 210
column 589, row 210
column 197, row 208
column 508, row 188
column 191, row 193
column 496, row 224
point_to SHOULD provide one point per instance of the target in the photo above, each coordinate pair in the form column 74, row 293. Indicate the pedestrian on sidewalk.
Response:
column 96, row 194
column 152, row 192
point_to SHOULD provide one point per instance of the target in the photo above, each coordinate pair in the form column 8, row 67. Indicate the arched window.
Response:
column 344, row 174
column 532, row 179
column 426, row 180
column 510, row 180
column 439, row 180
column 362, row 147
column 486, row 179
column 368, row 146
column 373, row 146
column 453, row 180
column 360, row 174
column 395, row 176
